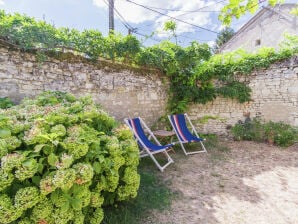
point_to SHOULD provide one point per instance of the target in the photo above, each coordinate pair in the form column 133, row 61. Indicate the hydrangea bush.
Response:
column 62, row 159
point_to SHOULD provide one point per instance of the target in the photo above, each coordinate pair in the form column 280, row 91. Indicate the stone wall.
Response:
column 128, row 92
column 274, row 97
column 122, row 91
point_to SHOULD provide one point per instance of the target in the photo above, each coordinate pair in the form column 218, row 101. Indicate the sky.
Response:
column 198, row 18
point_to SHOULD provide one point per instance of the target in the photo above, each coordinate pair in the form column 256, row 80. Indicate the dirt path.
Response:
column 253, row 184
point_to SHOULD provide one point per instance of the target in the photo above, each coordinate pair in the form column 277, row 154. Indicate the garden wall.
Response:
column 274, row 97
column 122, row 91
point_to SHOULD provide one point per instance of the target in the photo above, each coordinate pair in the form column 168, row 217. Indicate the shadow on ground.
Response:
column 251, row 183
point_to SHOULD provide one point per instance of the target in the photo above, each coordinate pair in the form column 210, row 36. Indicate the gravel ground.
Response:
column 252, row 183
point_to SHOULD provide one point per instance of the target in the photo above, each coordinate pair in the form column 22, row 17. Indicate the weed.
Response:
column 214, row 143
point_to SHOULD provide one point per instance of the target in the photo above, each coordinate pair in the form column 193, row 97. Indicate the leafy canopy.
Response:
column 295, row 11
column 237, row 8
column 171, row 26
column 224, row 36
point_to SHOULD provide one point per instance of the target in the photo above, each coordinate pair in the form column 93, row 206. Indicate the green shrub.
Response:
column 62, row 159
column 5, row 102
column 282, row 134
column 256, row 130
column 239, row 132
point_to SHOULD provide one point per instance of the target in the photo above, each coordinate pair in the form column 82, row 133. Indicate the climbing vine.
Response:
column 227, row 70
column 195, row 76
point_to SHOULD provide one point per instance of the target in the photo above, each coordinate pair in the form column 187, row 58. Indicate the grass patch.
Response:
column 216, row 147
column 153, row 194
column 214, row 143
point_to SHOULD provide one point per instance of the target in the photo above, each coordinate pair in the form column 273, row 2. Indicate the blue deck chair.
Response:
column 179, row 124
column 148, row 148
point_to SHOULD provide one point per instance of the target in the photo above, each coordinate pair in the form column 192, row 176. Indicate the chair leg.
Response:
column 195, row 152
column 203, row 146
column 182, row 146
column 160, row 167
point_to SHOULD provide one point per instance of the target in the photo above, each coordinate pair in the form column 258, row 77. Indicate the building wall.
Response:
column 266, row 29
column 123, row 92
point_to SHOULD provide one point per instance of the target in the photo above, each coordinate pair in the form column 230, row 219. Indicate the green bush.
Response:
column 62, row 159
column 5, row 102
column 256, row 130
column 282, row 134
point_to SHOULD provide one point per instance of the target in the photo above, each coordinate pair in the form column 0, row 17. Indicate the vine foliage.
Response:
column 195, row 75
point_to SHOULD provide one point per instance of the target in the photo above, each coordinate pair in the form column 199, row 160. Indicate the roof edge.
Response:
column 253, row 19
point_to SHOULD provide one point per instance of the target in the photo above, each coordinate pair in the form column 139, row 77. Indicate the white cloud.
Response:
column 199, row 20
column 132, row 13
column 136, row 14
column 2, row 2
column 211, row 43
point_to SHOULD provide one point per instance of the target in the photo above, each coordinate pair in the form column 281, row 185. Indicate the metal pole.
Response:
column 111, row 15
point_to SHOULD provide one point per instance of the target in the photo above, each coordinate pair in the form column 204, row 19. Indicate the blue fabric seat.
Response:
column 184, row 135
column 148, row 148
column 140, row 134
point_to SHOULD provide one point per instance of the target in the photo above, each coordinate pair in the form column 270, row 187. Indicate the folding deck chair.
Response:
column 148, row 148
column 179, row 124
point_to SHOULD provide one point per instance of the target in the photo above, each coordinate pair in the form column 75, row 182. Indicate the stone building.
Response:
column 265, row 29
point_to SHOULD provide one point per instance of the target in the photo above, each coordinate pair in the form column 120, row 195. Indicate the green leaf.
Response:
column 101, row 159
column 272, row 2
column 36, row 180
column 40, row 167
column 65, row 207
column 76, row 189
column 113, row 172
column 29, row 162
column 97, row 167
column 39, row 147
column 76, row 204
column 33, row 155
column 53, row 159
column 48, row 149
column 4, row 133
column 41, row 160
column 55, row 196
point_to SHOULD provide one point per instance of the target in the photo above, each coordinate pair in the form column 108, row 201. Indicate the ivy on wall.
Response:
column 195, row 75
column 228, row 69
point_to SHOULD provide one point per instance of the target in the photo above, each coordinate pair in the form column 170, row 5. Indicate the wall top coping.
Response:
column 75, row 57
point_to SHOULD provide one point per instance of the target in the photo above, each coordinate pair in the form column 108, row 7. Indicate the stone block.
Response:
column 293, row 90
column 89, row 86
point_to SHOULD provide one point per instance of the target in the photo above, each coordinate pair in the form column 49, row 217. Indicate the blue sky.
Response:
column 93, row 14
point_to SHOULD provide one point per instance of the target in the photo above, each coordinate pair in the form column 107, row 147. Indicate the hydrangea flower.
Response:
column 66, row 158
column 27, row 198
column 8, row 212
column 64, row 179
column 6, row 179
column 84, row 173
column 11, row 161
